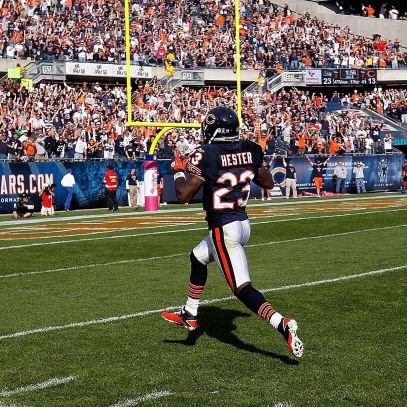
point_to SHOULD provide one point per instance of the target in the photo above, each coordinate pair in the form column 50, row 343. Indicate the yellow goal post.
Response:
column 166, row 126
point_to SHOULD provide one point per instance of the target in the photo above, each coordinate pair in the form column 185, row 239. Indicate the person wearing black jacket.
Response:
column 51, row 146
column 14, row 147
column 119, row 148
column 132, row 184
column 23, row 208
column 130, row 151
column 290, row 178
column 3, row 147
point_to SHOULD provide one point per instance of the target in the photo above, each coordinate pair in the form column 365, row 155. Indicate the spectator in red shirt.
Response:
column 111, row 181
column 47, row 200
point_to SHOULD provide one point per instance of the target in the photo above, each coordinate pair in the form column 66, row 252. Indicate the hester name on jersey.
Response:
column 231, row 160
column 227, row 170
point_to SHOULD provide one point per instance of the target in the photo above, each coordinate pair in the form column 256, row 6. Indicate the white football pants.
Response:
column 225, row 245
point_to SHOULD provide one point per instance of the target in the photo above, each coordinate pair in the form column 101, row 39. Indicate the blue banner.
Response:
column 382, row 173
column 16, row 178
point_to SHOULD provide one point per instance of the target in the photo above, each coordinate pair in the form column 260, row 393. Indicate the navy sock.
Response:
column 197, row 280
column 199, row 271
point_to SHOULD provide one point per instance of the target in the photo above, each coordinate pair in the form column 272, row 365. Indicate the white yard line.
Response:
column 111, row 263
column 149, row 259
column 352, row 232
column 180, row 221
column 3, row 404
column 115, row 230
column 206, row 302
column 169, row 224
column 35, row 233
column 163, row 232
column 282, row 202
column 150, row 396
column 56, row 381
column 93, row 223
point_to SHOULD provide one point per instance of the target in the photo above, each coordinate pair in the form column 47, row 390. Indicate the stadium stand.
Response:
column 199, row 33
column 294, row 120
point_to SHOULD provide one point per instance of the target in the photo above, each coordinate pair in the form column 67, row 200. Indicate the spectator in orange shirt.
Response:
column 30, row 149
column 355, row 97
column 302, row 139
column 334, row 146
column 369, row 11
column 220, row 20
column 382, row 62
column 307, row 61
column 279, row 68
column 263, row 139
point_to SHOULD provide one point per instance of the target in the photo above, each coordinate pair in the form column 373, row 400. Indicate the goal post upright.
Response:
column 130, row 121
column 237, row 62
column 167, row 126
column 128, row 60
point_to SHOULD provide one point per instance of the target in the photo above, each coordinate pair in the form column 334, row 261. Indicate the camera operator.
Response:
column 23, row 208
column 47, row 200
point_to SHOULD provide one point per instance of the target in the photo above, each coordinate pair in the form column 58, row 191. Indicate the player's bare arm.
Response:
column 264, row 179
column 326, row 161
column 186, row 188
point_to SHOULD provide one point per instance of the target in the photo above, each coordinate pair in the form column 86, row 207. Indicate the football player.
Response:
column 224, row 166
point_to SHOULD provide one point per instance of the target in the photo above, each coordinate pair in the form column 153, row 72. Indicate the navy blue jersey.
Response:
column 317, row 170
column 132, row 179
column 290, row 172
column 226, row 170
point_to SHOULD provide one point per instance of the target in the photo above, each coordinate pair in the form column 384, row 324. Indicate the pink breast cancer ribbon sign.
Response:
column 150, row 183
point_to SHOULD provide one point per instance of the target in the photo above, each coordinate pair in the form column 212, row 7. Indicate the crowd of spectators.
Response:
column 394, row 104
column 199, row 34
column 315, row 123
column 88, row 121
column 391, row 102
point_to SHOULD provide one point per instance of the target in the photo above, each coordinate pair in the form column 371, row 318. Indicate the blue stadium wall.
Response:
column 382, row 173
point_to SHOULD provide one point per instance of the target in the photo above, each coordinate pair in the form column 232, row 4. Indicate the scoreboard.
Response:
column 348, row 76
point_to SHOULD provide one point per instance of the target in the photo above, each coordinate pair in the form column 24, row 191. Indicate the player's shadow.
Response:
column 219, row 324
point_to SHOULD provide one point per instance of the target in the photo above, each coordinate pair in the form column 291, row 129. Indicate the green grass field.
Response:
column 80, row 323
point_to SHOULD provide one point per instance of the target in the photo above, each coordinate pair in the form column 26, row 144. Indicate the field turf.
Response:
column 81, row 295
